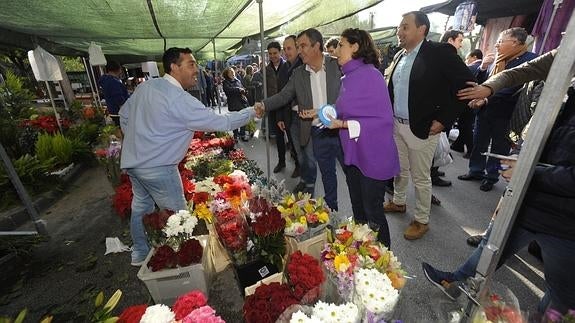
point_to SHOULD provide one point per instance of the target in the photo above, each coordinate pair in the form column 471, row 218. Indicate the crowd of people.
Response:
column 425, row 90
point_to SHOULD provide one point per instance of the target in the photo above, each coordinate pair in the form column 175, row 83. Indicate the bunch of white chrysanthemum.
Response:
column 331, row 313
column 208, row 185
column 180, row 227
column 374, row 292
column 328, row 313
column 158, row 313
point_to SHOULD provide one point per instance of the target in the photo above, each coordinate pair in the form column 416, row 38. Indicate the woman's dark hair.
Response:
column 226, row 72
column 172, row 56
column 367, row 49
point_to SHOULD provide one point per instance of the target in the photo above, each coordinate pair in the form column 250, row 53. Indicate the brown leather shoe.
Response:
column 389, row 206
column 415, row 230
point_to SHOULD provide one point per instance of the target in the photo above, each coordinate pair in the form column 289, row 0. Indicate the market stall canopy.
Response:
column 144, row 28
column 489, row 8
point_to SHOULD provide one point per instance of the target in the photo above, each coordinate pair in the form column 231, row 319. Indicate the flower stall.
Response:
column 287, row 261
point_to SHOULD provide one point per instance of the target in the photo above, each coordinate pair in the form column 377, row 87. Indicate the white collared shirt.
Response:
column 172, row 80
column 318, row 88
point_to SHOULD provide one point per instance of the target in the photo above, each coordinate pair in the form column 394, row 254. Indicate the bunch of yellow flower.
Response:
column 302, row 212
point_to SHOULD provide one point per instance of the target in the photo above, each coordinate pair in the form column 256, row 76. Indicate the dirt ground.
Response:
column 63, row 275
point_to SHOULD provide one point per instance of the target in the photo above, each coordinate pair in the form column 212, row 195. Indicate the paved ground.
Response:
column 65, row 273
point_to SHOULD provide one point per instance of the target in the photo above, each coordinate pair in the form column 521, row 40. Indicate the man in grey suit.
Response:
column 313, row 84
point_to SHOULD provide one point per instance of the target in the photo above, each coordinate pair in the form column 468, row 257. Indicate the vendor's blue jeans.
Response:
column 326, row 150
column 157, row 185
column 306, row 160
column 558, row 263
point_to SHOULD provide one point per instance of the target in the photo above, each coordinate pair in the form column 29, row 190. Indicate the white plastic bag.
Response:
column 442, row 156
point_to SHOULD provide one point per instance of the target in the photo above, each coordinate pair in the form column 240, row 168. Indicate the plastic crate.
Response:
column 166, row 285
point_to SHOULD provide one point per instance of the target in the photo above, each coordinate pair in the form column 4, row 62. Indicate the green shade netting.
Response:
column 126, row 27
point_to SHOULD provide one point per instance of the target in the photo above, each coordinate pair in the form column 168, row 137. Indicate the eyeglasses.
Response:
column 501, row 41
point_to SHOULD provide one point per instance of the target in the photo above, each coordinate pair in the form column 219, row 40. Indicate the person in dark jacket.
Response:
column 115, row 92
column 237, row 100
column 492, row 122
column 547, row 214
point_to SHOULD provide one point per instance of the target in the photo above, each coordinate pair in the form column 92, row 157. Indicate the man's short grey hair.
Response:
column 314, row 37
column 516, row 32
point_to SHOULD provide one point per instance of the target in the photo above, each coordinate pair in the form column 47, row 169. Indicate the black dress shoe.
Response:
column 295, row 173
column 469, row 177
column 438, row 181
column 486, row 186
column 435, row 200
column 300, row 187
column 440, row 173
column 279, row 167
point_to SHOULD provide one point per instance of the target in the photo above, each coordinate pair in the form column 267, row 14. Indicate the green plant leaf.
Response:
column 99, row 299
column 21, row 316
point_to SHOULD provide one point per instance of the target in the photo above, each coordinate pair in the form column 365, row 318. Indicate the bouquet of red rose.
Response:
column 154, row 223
column 190, row 252
column 267, row 303
column 268, row 236
column 304, row 276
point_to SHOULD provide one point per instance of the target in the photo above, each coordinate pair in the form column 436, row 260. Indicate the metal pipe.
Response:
column 23, row 194
column 268, row 125
column 56, row 114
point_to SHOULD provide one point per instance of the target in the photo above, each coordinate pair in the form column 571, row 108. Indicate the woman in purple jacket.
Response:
column 365, row 116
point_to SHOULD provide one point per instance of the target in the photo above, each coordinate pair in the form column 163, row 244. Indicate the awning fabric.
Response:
column 140, row 27
column 489, row 8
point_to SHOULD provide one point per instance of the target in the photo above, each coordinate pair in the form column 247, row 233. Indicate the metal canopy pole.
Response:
column 268, row 125
column 26, row 200
column 56, row 114
column 215, row 71
column 548, row 108
column 90, row 80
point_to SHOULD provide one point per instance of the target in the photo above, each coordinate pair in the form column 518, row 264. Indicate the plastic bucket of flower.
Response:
column 167, row 284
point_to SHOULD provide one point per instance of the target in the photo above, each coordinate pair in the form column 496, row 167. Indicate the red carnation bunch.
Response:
column 165, row 257
column 154, row 223
column 190, row 252
column 268, row 303
column 186, row 303
column 305, row 276
column 132, row 314
column 122, row 199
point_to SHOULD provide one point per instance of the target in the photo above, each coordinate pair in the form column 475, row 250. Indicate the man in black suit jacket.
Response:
column 423, row 80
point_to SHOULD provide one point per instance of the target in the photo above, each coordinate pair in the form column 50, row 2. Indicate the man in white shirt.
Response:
column 158, row 122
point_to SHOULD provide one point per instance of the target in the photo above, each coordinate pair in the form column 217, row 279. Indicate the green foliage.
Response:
column 33, row 175
column 87, row 132
column 20, row 245
column 57, row 147
column 14, row 97
column 211, row 167
column 72, row 64
column 17, row 140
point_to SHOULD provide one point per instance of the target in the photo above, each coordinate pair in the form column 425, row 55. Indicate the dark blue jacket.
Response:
column 115, row 93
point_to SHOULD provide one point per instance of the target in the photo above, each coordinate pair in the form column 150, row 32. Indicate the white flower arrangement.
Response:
column 329, row 313
column 208, row 185
column 179, row 227
column 158, row 313
column 181, row 222
column 374, row 292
